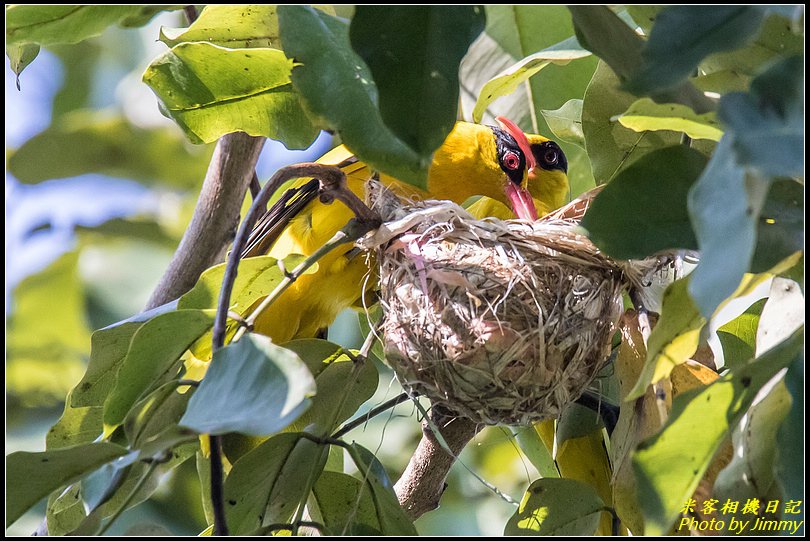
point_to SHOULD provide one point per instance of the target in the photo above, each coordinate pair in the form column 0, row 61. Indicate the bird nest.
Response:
column 503, row 322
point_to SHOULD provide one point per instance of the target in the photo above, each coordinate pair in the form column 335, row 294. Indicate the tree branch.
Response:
column 215, row 218
column 422, row 484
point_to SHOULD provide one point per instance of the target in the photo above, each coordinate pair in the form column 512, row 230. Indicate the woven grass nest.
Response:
column 503, row 322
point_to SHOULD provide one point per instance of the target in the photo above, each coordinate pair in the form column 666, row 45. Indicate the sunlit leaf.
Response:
column 391, row 516
column 20, row 56
column 338, row 380
column 232, row 26
column 566, row 122
column 507, row 81
column 699, row 423
column 153, row 358
column 612, row 147
column 339, row 91
column 557, row 507
column 738, row 336
column 65, row 511
column 782, row 314
column 344, row 506
column 674, row 339
column 211, row 91
column 32, row 476
column 252, row 387
column 88, row 142
column 46, row 25
column 266, row 485
column 645, row 114
column 683, row 35
column 643, row 210
column 77, row 425
column 750, row 474
column 257, row 277
column 413, row 53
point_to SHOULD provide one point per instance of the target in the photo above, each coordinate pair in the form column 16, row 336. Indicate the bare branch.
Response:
column 215, row 218
column 422, row 484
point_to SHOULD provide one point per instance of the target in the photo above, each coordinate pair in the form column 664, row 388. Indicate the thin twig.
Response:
column 129, row 498
column 363, row 419
column 191, row 13
column 217, row 485
column 255, row 187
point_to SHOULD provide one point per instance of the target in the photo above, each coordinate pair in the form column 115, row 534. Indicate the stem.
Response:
column 363, row 419
column 129, row 498
column 217, row 488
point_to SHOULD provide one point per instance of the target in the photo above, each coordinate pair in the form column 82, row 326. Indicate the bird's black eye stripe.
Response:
column 507, row 150
column 550, row 156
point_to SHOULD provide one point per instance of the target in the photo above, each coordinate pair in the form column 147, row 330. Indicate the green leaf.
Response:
column 566, row 122
column 344, row 506
column 108, row 349
column 643, row 210
column 265, row 485
column 413, row 53
column 88, row 142
column 47, row 25
column 536, row 451
column 257, row 277
column 770, row 116
column 750, row 474
column 77, row 425
column 782, row 314
column 338, row 90
column 252, row 387
column 682, row 36
column 674, row 339
column 337, row 381
column 151, row 425
column 726, row 239
column 670, row 465
column 738, row 336
column 231, row 26
column 644, row 16
column 789, row 466
column 780, row 231
column 210, row 91
column 511, row 35
column 32, row 476
column 65, row 511
column 612, row 147
column 609, row 37
column 153, row 358
column 576, row 421
column 392, row 518
column 557, row 507
column 20, row 56
column 645, row 114
column 508, row 81
column 775, row 39
column 47, row 337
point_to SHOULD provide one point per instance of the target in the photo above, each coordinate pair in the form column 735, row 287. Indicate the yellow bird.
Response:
column 502, row 164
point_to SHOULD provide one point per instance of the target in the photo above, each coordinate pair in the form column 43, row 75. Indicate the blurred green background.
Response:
column 99, row 189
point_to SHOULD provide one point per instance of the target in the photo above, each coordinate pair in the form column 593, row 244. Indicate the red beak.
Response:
column 520, row 198
column 523, row 143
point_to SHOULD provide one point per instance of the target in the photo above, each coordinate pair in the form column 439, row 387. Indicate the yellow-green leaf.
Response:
column 646, row 115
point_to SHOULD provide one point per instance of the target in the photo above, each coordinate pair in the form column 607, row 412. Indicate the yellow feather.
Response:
column 466, row 165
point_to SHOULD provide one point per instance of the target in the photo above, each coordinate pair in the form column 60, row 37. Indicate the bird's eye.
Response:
column 511, row 161
column 551, row 157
